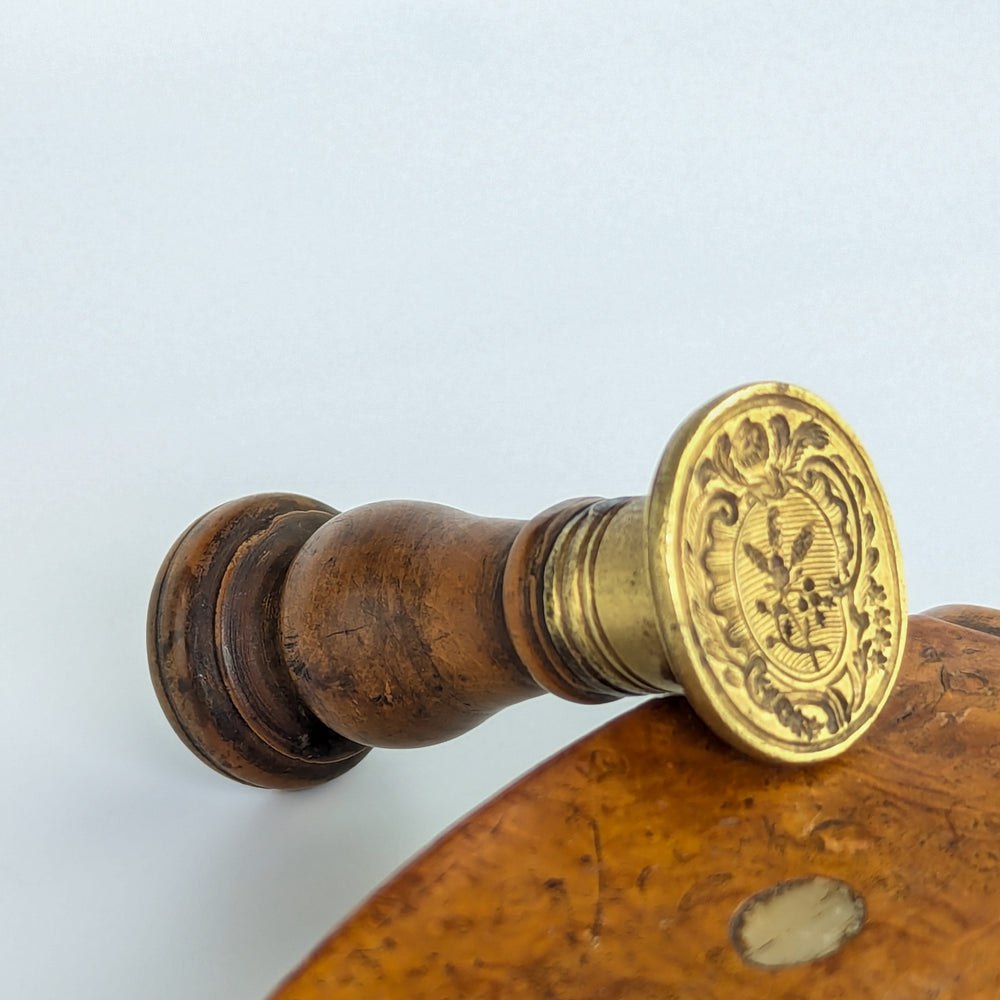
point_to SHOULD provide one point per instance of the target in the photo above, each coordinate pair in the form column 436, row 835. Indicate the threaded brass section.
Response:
column 599, row 601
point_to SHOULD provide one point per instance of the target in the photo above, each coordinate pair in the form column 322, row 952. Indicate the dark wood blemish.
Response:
column 643, row 877
column 604, row 764
column 598, row 923
column 702, row 890
column 965, row 682
column 556, row 885
column 831, row 823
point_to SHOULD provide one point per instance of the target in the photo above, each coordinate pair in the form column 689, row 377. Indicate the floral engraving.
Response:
column 798, row 606
column 786, row 545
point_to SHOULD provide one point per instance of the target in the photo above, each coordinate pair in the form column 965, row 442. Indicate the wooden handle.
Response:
column 393, row 623
column 761, row 574
column 285, row 639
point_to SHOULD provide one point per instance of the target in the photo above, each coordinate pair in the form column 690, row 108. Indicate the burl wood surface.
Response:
column 614, row 869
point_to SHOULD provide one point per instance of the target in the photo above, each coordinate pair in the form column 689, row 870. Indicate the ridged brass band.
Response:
column 598, row 601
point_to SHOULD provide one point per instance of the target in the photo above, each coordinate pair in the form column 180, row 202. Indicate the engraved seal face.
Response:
column 776, row 573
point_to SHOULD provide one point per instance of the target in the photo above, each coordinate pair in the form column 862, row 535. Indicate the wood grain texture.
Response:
column 614, row 869
column 215, row 652
column 393, row 623
column 285, row 639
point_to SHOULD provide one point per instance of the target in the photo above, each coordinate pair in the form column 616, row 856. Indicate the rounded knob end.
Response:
column 215, row 650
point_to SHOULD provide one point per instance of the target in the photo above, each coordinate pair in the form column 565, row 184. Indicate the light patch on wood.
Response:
column 796, row 921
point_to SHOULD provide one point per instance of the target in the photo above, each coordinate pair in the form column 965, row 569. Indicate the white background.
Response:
column 488, row 255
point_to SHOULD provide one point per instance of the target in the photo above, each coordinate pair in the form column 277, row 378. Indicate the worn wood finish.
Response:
column 614, row 870
column 393, row 623
column 286, row 639
column 215, row 652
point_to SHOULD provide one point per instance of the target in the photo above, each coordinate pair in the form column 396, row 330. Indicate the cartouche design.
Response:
column 788, row 572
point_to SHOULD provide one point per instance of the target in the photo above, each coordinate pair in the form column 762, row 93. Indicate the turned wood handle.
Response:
column 760, row 575
column 285, row 639
column 394, row 623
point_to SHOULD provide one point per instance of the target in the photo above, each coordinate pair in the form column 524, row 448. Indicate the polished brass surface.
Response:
column 599, row 600
column 762, row 575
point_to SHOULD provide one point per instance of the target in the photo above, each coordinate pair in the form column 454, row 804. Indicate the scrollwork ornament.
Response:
column 785, row 561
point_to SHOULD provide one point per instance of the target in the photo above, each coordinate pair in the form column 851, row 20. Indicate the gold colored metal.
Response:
column 762, row 575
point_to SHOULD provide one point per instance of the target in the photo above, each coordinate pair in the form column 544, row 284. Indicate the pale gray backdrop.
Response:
column 485, row 254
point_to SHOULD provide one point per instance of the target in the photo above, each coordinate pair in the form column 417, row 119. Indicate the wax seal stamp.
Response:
column 760, row 577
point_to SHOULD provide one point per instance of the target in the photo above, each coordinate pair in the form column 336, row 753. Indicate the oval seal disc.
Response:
column 776, row 573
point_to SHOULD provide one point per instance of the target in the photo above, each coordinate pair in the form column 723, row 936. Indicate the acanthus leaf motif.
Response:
column 724, row 460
